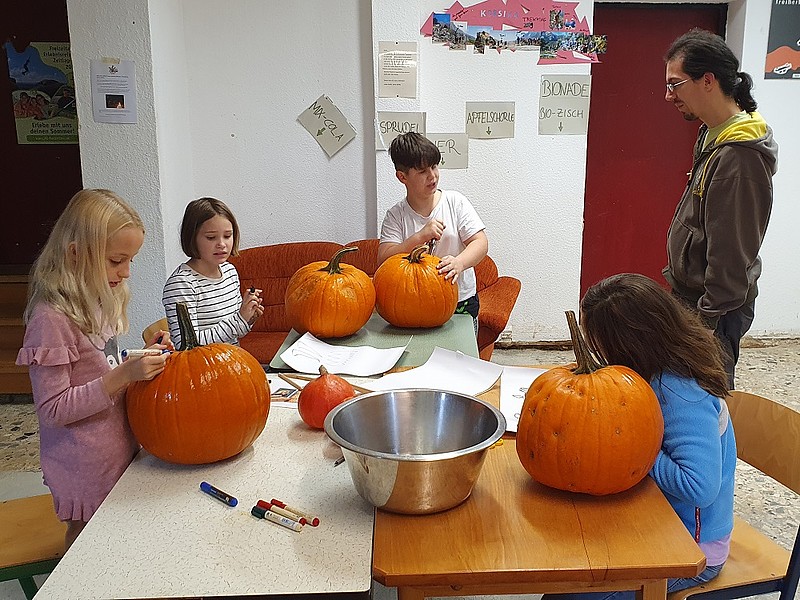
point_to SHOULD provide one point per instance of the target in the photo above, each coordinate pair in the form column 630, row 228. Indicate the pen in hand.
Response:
column 136, row 353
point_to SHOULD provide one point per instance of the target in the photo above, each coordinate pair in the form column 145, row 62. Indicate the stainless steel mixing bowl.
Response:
column 415, row 451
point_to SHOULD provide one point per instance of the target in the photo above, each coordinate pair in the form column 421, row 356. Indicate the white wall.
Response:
column 778, row 303
column 528, row 190
column 253, row 67
column 220, row 86
column 123, row 158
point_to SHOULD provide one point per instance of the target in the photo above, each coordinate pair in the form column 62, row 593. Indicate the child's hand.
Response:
column 161, row 341
column 251, row 308
column 450, row 267
column 145, row 368
column 433, row 230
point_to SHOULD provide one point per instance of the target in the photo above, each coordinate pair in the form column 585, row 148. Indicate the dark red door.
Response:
column 639, row 146
column 37, row 179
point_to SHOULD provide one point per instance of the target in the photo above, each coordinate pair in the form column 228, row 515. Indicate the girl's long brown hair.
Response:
column 629, row 320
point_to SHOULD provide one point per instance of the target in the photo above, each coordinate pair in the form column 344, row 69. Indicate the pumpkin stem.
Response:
column 188, row 335
column 322, row 371
column 587, row 363
column 416, row 253
column 333, row 267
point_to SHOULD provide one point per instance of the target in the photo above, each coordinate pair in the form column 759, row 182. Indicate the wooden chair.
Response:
column 150, row 330
column 768, row 438
column 31, row 540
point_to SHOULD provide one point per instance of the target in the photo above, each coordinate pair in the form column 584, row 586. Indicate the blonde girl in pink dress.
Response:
column 76, row 309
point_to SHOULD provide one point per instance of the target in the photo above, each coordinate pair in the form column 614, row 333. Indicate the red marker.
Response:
column 310, row 519
column 282, row 512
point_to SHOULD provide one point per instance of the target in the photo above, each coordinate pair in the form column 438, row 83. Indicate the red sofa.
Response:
column 270, row 267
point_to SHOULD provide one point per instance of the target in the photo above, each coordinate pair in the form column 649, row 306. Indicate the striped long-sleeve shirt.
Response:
column 213, row 305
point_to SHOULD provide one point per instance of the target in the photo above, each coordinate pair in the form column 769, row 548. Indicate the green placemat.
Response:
column 457, row 334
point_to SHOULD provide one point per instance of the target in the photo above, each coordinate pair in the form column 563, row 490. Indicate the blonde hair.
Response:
column 70, row 273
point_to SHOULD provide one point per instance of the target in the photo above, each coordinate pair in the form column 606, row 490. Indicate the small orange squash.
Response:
column 410, row 292
column 329, row 299
column 590, row 429
column 210, row 402
column 320, row 396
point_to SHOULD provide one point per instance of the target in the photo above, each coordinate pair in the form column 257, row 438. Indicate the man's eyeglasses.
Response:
column 671, row 86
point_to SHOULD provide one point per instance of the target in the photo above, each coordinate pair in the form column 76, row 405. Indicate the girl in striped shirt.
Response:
column 207, row 283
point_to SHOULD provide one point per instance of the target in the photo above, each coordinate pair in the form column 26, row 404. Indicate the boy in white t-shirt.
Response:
column 445, row 219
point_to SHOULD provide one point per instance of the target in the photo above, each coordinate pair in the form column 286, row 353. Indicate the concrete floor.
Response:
column 770, row 368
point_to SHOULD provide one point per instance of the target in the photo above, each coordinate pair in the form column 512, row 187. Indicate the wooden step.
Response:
column 13, row 295
column 12, row 332
column 13, row 379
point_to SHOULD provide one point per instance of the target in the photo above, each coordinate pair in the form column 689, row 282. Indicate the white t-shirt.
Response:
column 460, row 220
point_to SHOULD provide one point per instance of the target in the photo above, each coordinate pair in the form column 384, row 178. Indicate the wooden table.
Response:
column 158, row 536
column 515, row 536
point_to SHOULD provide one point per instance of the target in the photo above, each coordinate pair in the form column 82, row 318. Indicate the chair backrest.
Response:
column 767, row 437
column 150, row 330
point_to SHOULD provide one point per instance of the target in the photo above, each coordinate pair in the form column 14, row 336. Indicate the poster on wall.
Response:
column 397, row 69
column 553, row 28
column 113, row 83
column 783, row 45
column 43, row 93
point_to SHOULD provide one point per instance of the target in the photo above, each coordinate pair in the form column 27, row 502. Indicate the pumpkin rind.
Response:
column 596, row 432
column 210, row 403
column 320, row 396
column 329, row 299
column 410, row 292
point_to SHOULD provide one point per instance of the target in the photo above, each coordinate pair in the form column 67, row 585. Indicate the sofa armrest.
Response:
column 496, row 303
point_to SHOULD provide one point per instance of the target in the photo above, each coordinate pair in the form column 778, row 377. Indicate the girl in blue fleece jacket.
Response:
column 630, row 320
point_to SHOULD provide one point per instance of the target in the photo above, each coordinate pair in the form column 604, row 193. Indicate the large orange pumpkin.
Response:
column 210, row 402
column 329, row 299
column 590, row 429
column 410, row 292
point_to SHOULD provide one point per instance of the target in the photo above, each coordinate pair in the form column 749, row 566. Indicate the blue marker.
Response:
column 145, row 352
column 218, row 494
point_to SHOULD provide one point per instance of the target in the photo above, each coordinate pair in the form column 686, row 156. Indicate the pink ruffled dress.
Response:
column 85, row 440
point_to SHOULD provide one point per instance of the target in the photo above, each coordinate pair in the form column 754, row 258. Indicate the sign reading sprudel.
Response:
column 564, row 104
column 454, row 148
column 392, row 124
column 327, row 125
column 490, row 120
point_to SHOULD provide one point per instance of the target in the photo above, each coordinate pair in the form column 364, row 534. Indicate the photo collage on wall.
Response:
column 551, row 28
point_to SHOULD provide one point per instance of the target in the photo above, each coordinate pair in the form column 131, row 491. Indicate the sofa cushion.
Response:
column 269, row 269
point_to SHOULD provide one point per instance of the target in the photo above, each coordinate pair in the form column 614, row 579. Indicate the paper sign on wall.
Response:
column 454, row 148
column 392, row 124
column 564, row 104
column 490, row 120
column 397, row 69
column 327, row 125
column 113, row 83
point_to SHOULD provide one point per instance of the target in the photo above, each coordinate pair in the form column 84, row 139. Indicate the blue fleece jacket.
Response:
column 695, row 466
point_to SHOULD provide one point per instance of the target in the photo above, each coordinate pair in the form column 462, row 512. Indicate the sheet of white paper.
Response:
column 444, row 370
column 514, row 383
column 308, row 353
